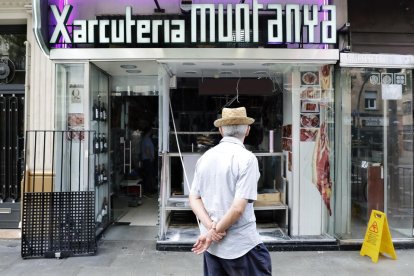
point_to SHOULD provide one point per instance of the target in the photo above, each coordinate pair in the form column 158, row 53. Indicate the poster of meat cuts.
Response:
column 75, row 127
column 287, row 137
column 310, row 95
column 309, row 120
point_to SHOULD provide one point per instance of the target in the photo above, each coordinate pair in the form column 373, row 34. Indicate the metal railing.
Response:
column 58, row 194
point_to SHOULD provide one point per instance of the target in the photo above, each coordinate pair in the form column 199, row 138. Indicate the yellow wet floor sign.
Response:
column 377, row 238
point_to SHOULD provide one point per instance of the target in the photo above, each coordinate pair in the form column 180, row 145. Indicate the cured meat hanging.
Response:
column 321, row 168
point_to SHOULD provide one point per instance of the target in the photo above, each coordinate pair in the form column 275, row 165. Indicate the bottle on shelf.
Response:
column 104, row 175
column 104, row 143
column 103, row 112
column 95, row 111
column 96, row 144
column 101, row 143
column 96, row 175
column 100, row 174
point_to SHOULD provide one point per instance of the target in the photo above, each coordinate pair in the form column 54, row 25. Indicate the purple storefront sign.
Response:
column 78, row 19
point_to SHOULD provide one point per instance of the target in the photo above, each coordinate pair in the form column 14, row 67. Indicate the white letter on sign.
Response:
column 221, row 36
column 143, row 27
column 120, row 38
column 329, row 26
column 246, row 29
column 178, row 35
column 80, row 35
column 272, row 38
column 310, row 21
column 91, row 30
column 295, row 21
column 129, row 24
column 102, row 31
column 256, row 8
column 203, row 11
column 61, row 20
column 155, row 30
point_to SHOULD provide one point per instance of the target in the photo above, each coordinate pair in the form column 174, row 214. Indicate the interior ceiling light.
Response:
column 189, row 63
column 260, row 73
column 128, row 66
column 228, row 64
column 226, row 73
column 133, row 71
column 268, row 64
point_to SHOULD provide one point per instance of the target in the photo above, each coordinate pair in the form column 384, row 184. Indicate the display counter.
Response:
column 177, row 221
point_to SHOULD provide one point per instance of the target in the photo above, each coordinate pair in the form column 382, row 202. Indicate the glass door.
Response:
column 376, row 151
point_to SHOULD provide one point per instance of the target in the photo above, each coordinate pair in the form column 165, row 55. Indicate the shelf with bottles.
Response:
column 100, row 143
column 99, row 111
column 101, row 174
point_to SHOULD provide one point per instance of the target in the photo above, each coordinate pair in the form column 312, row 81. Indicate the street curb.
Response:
column 291, row 246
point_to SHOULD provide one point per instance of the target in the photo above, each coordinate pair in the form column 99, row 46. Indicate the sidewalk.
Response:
column 139, row 257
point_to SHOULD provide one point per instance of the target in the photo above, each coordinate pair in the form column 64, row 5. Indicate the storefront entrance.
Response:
column 133, row 128
column 178, row 102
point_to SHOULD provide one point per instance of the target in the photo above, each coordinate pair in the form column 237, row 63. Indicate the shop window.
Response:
column 290, row 105
column 377, row 155
column 371, row 100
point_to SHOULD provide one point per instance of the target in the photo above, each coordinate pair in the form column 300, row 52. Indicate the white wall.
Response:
column 307, row 210
column 41, row 94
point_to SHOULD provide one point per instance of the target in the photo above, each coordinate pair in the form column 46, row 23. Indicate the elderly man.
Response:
column 222, row 195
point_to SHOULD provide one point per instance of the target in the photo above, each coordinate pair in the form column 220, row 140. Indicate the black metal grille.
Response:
column 58, row 224
column 58, row 204
column 11, row 145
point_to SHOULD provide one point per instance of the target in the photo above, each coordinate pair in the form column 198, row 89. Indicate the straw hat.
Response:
column 233, row 116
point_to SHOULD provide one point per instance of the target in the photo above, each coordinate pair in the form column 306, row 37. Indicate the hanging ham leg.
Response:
column 321, row 167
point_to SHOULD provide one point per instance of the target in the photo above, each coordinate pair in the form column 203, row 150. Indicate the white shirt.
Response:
column 223, row 173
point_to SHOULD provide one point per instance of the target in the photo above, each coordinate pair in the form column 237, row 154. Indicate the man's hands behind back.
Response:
column 204, row 240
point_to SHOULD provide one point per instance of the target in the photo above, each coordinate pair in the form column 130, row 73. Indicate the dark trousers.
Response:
column 148, row 176
column 256, row 262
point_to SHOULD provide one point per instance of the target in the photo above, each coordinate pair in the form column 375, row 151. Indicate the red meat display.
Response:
column 309, row 120
column 321, row 167
column 308, row 135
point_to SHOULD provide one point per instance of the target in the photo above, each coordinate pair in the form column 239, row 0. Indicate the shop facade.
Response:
column 117, row 76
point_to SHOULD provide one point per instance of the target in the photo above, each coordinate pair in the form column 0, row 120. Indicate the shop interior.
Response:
column 192, row 133
column 133, row 119
column 197, row 93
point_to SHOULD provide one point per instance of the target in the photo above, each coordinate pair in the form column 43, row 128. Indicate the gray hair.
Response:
column 236, row 131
